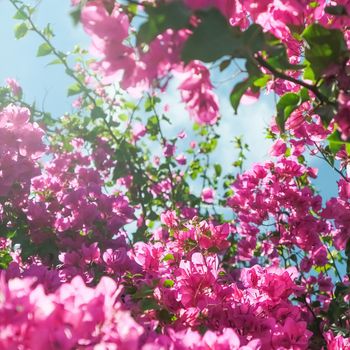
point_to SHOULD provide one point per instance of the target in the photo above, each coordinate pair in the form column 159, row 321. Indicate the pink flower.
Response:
column 69, row 317
column 117, row 261
column 342, row 116
column 249, row 97
column 181, row 159
column 77, row 103
column 278, row 148
column 196, row 280
column 138, row 130
column 91, row 254
column 21, row 147
column 189, row 213
column 275, row 282
column 14, row 86
column 169, row 218
column 320, row 256
column 305, row 264
column 168, row 150
column 196, row 93
column 293, row 335
column 164, row 55
column 337, row 342
column 108, row 33
column 211, row 236
column 208, row 195
column 228, row 339
column 182, row 135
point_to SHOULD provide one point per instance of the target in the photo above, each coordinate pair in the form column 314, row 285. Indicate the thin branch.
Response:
column 62, row 58
column 284, row 76
column 335, row 265
column 164, row 141
column 328, row 161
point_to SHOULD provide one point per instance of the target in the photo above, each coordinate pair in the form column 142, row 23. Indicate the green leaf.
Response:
column 74, row 89
column 278, row 58
column 210, row 146
column 253, row 81
column 151, row 103
column 20, row 14
column 149, row 304
column 47, row 31
column 165, row 316
column 168, row 283
column 224, row 64
column 285, row 106
column 97, row 113
column 325, row 47
column 309, row 74
column 44, row 49
column 55, row 61
column 341, row 290
column 324, row 268
column 304, row 95
column 21, row 30
column 314, row 4
column 326, row 113
column 123, row 117
column 152, row 126
column 261, row 82
column 129, row 105
column 218, row 170
column 347, row 148
column 75, row 15
column 195, row 169
column 253, row 39
column 5, row 259
column 335, row 142
column 173, row 15
column 132, row 9
column 237, row 92
column 169, row 257
column 212, row 39
column 337, row 10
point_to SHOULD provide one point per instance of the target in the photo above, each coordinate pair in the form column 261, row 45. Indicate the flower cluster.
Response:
column 108, row 34
column 74, row 316
column 21, row 147
column 271, row 194
column 142, row 66
column 196, row 92
column 174, row 280
column 129, row 235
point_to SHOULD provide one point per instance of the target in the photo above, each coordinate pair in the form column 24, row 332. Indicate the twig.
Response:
column 283, row 76
column 328, row 161
column 69, row 71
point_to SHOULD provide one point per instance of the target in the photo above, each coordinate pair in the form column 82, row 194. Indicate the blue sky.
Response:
column 47, row 85
column 44, row 84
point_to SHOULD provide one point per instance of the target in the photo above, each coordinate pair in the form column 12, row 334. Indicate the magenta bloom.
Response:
column 208, row 195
